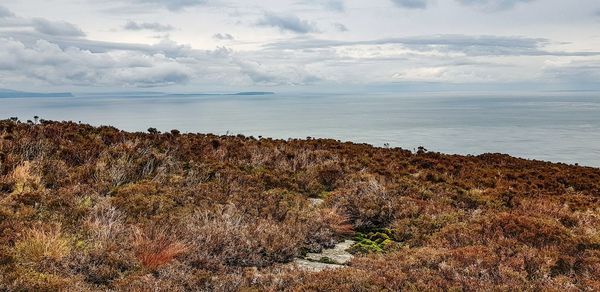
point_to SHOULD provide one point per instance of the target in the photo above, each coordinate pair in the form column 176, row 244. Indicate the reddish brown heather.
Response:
column 87, row 208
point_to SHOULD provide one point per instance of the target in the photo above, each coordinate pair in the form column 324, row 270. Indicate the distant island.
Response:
column 249, row 93
column 255, row 93
column 7, row 93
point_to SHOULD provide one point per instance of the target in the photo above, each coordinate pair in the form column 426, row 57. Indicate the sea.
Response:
column 550, row 126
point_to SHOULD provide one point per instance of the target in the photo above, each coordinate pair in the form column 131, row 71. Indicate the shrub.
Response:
column 156, row 247
column 365, row 201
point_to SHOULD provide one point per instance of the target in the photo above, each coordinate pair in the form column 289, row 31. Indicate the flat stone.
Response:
column 314, row 266
column 338, row 254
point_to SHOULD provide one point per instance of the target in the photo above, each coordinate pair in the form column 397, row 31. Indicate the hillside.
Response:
column 95, row 208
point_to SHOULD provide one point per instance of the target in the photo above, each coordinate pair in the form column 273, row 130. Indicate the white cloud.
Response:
column 48, row 63
column 421, row 74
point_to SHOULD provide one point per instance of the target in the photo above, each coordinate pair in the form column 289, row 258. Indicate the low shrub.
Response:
column 156, row 247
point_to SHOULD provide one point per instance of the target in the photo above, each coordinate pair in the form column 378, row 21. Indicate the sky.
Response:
column 278, row 45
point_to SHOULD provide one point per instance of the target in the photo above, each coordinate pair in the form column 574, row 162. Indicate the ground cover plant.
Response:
column 87, row 208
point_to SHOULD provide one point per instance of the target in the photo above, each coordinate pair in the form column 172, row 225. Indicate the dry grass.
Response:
column 24, row 178
column 39, row 244
column 106, row 225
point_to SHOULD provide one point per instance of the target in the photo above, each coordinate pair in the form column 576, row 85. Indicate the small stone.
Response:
column 316, row 202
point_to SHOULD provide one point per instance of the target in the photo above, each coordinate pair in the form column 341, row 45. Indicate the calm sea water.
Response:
column 559, row 127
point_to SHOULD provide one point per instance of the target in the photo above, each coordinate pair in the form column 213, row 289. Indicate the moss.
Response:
column 373, row 242
column 366, row 246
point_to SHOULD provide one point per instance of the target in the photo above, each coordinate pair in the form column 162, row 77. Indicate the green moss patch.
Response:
column 375, row 241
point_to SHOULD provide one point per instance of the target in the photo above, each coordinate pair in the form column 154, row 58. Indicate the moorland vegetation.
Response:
column 95, row 208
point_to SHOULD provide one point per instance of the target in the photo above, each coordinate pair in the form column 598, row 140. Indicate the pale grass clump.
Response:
column 106, row 225
column 156, row 247
column 115, row 171
column 24, row 178
column 287, row 158
column 38, row 244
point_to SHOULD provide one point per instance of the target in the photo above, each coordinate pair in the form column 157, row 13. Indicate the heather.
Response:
column 95, row 208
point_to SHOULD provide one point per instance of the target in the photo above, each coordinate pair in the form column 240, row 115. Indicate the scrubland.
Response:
column 94, row 208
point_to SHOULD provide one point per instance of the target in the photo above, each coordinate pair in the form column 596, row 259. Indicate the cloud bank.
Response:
column 295, row 43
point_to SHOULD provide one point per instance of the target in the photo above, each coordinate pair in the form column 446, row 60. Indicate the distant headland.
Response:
column 7, row 93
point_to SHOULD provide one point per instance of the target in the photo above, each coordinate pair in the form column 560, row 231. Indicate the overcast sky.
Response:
column 221, row 45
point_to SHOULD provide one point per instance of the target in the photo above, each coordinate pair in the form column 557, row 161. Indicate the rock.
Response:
column 314, row 266
column 337, row 255
column 333, row 258
column 316, row 202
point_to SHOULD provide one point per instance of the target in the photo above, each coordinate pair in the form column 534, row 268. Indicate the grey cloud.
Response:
column 412, row 4
column 468, row 45
column 340, row 27
column 335, row 5
column 576, row 72
column 14, row 24
column 4, row 12
column 287, row 23
column 332, row 5
column 154, row 26
column 56, row 28
column 493, row 5
column 160, row 75
column 223, row 37
column 173, row 5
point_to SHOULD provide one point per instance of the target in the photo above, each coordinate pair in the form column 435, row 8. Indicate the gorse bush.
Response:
column 93, row 208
